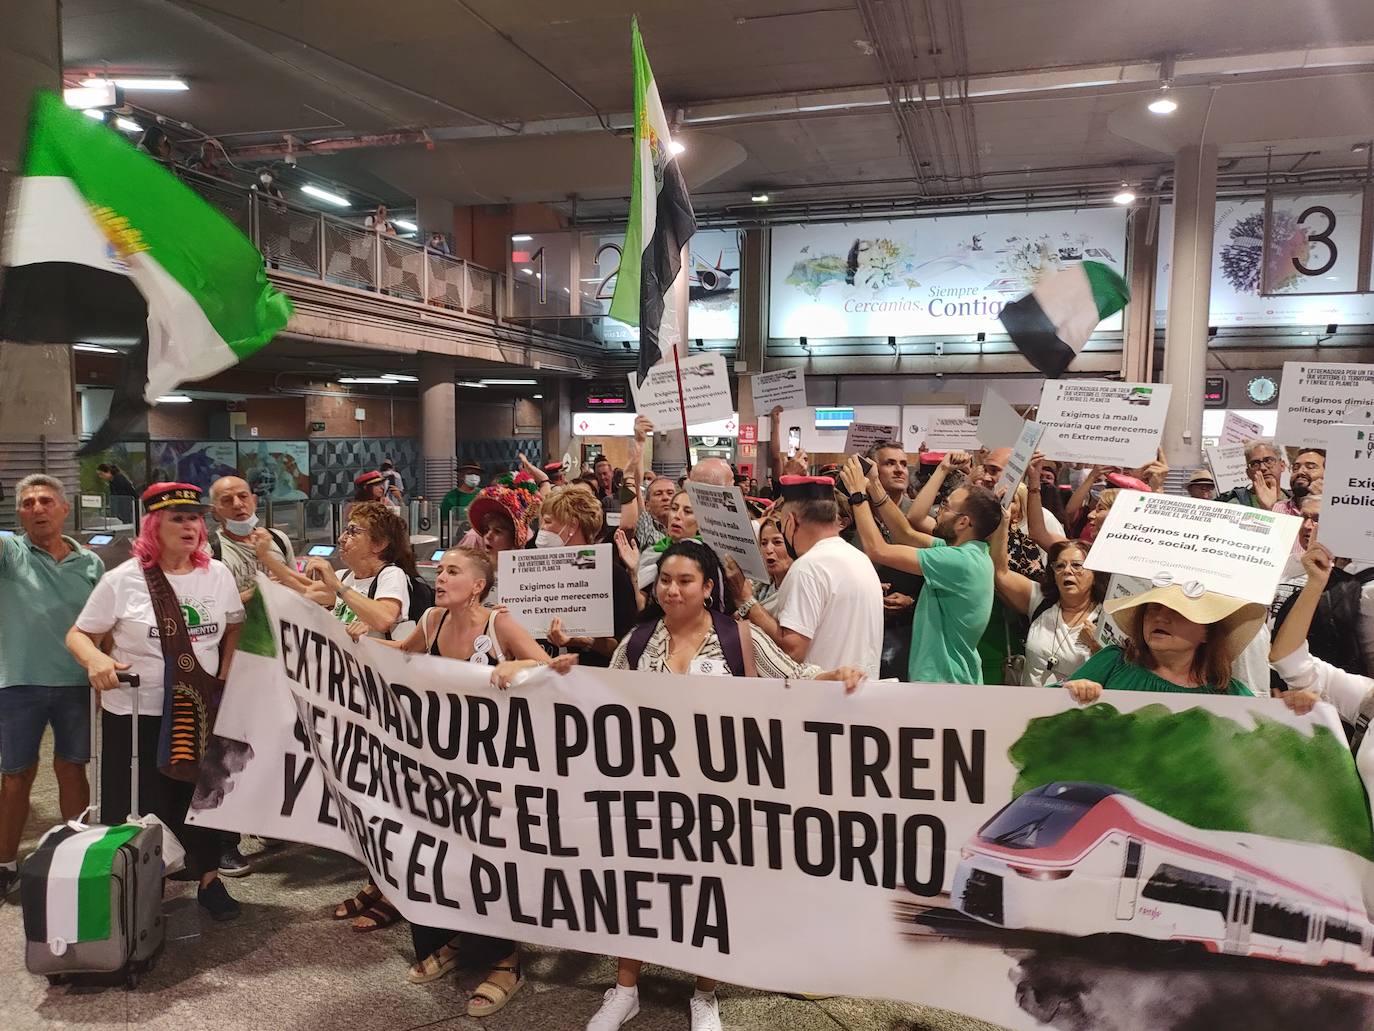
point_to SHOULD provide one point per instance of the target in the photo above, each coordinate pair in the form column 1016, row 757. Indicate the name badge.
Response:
column 709, row 668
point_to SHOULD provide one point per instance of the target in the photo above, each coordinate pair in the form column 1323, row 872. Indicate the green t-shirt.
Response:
column 39, row 601
column 951, row 614
column 1110, row 669
column 458, row 499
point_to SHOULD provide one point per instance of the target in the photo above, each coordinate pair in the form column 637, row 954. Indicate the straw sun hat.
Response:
column 1235, row 622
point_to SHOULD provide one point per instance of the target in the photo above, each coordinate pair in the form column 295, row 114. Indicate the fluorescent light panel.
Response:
column 509, row 382
column 137, row 83
column 366, row 379
column 521, row 238
column 310, row 189
column 90, row 96
column 401, row 376
column 174, row 399
column 401, row 223
column 95, row 349
column 469, row 383
column 94, row 112
column 128, row 124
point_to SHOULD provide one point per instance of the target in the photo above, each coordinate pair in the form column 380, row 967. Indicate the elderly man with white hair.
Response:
column 45, row 579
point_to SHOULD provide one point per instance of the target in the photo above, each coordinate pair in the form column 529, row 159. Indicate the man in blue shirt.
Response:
column 45, row 578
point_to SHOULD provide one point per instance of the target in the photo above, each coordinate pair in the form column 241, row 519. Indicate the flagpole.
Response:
column 681, row 294
column 682, row 409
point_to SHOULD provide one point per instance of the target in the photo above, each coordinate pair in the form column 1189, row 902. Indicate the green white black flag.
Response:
column 661, row 223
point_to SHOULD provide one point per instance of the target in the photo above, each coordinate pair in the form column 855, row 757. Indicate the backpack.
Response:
column 278, row 538
column 727, row 632
column 421, row 596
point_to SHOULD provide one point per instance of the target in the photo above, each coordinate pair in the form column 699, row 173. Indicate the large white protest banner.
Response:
column 962, row 856
column 999, row 424
column 952, row 433
column 705, row 392
column 1228, row 466
column 1236, row 429
column 916, row 421
column 1347, row 516
column 1101, row 423
column 1027, row 440
column 1314, row 396
column 863, row 435
column 573, row 583
column 723, row 520
column 1229, row 549
column 786, row 387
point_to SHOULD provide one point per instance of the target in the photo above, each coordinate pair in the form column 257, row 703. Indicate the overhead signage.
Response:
column 1103, row 423
column 1314, row 396
column 786, row 387
column 926, row 276
column 1228, row 549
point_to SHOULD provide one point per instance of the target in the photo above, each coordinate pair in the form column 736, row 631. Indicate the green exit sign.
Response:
column 316, row 427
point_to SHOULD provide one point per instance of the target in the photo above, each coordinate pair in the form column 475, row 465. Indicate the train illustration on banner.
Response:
column 1087, row 860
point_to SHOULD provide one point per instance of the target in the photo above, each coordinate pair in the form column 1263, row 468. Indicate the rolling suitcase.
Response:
column 92, row 896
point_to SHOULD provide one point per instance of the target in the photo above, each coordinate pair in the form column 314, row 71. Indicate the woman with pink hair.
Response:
column 171, row 582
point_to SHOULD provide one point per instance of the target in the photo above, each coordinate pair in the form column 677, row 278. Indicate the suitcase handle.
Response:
column 132, row 680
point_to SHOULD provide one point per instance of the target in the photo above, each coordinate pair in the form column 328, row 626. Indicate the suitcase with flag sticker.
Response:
column 92, row 895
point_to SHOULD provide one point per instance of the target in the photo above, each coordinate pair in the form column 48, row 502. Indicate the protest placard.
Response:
column 1236, row 429
column 723, row 522
column 786, row 387
column 952, row 433
column 1229, row 549
column 916, row 423
column 863, row 435
column 1347, row 517
column 1228, row 466
column 1027, row 440
column 1313, row 396
column 999, row 424
column 705, row 392
column 1101, row 423
column 571, row 583
column 675, row 817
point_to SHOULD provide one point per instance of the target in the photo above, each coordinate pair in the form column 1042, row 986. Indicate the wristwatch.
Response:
column 743, row 611
column 858, row 498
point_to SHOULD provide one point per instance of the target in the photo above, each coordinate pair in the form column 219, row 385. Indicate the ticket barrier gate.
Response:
column 107, row 525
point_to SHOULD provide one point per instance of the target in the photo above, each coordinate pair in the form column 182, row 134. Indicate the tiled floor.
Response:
column 286, row 965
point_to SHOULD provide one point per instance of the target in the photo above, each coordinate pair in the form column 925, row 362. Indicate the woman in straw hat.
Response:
column 1178, row 638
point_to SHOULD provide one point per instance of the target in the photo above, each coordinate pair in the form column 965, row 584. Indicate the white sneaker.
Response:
column 705, row 1011
column 619, row 1006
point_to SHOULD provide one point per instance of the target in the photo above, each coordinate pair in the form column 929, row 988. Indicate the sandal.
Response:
column 368, row 895
column 433, row 966
column 488, row 997
column 380, row 914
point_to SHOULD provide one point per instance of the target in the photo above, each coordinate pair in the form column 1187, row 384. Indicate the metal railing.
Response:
column 314, row 245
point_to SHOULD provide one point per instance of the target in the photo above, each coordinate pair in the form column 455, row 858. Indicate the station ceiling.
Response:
column 827, row 106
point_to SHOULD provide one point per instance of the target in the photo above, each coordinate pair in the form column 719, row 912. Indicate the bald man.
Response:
column 715, row 471
column 244, row 546
column 990, row 470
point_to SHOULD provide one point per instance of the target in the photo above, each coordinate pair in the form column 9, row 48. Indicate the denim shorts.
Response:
column 25, row 709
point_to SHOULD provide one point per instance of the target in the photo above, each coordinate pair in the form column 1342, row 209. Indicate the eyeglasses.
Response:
column 352, row 530
column 1262, row 463
column 1068, row 567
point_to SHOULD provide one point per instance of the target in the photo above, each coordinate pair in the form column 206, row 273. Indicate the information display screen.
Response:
column 322, row 550
column 99, row 540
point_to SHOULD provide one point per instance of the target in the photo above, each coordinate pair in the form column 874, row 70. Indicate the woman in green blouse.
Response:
column 1177, row 639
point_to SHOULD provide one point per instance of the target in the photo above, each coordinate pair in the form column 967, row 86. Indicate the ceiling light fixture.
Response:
column 159, row 85
column 1124, row 196
column 95, row 349
column 409, row 227
column 1164, row 104
column 675, row 147
column 538, row 397
column 90, row 96
column 759, row 198
column 128, row 124
column 174, row 399
column 367, row 379
column 527, row 271
column 401, row 376
column 319, row 193
column 521, row 238
column 469, row 383
column 508, row 382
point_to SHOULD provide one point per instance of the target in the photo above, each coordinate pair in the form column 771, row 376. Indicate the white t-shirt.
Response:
column 832, row 595
column 121, row 603
column 392, row 582
column 1050, row 638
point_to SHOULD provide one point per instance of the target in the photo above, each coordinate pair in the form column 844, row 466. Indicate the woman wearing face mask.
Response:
column 460, row 497
column 572, row 518
column 1063, row 604
column 1177, row 640
column 682, row 526
column 687, row 630
column 461, row 627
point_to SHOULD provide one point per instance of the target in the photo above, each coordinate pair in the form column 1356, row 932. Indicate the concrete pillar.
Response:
column 1190, row 286
column 37, row 397
column 438, row 424
column 1138, row 338
column 556, row 413
column 434, row 215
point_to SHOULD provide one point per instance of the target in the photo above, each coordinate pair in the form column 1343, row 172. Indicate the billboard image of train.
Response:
column 1086, row 859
